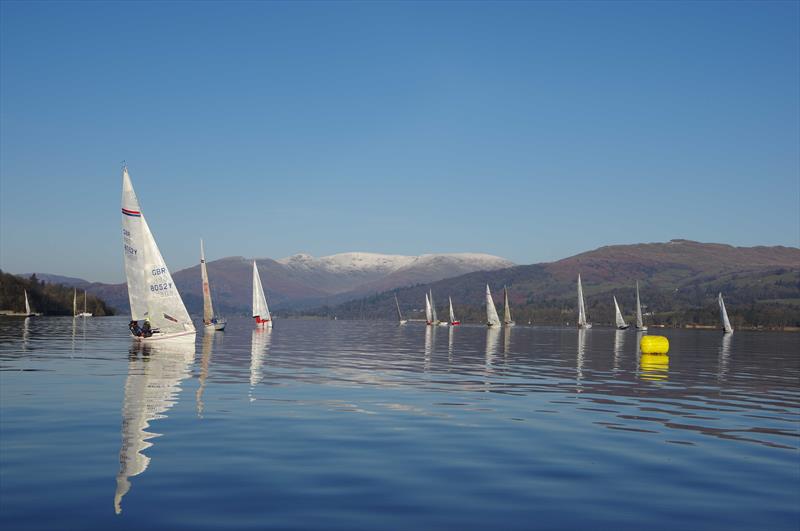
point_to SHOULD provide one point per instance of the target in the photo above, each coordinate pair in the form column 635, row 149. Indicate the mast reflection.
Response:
column 151, row 389
column 619, row 345
column 205, row 363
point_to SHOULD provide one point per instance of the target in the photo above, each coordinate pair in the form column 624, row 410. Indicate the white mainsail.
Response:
column 399, row 314
column 452, row 313
column 208, row 308
column 582, row 321
column 151, row 290
column 639, row 321
column 85, row 305
column 75, row 302
column 618, row 314
column 27, row 304
column 434, row 318
column 507, row 320
column 491, row 312
column 260, row 308
column 726, row 324
column 428, row 314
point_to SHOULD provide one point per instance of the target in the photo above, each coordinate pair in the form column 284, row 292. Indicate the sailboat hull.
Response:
column 455, row 323
column 219, row 326
column 623, row 327
column 585, row 326
column 510, row 323
column 263, row 323
column 162, row 337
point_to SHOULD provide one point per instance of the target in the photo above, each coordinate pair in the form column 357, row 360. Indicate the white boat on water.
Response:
column 453, row 320
column 507, row 320
column 28, row 311
column 434, row 318
column 399, row 314
column 152, row 293
column 84, row 313
column 639, row 322
column 583, row 322
column 428, row 313
column 260, row 308
column 726, row 323
column 210, row 321
column 492, row 319
column 620, row 321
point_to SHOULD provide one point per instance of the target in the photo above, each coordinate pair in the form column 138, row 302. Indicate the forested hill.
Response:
column 45, row 298
column 679, row 283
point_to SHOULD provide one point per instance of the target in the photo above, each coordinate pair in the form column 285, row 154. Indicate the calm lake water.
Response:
column 367, row 425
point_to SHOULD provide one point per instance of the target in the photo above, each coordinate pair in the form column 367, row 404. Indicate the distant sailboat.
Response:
column 152, row 293
column 210, row 321
column 639, row 323
column 453, row 320
column 428, row 313
column 260, row 308
column 399, row 315
column 582, row 320
column 726, row 324
column 435, row 319
column 28, row 311
column 75, row 302
column 84, row 313
column 621, row 324
column 507, row 320
column 492, row 318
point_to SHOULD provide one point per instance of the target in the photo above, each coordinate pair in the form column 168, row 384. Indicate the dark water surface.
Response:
column 356, row 425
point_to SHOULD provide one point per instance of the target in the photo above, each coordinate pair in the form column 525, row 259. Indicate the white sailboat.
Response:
column 434, row 318
column 726, row 324
column 152, row 293
column 428, row 313
column 260, row 308
column 84, row 313
column 492, row 318
column 210, row 321
column 620, row 321
column 399, row 314
column 453, row 320
column 75, row 302
column 507, row 320
column 582, row 320
column 639, row 322
column 28, row 311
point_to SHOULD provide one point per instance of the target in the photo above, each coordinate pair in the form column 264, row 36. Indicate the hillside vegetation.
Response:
column 679, row 282
column 46, row 298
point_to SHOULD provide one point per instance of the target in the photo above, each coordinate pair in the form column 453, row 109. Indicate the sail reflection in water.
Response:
column 259, row 346
column 507, row 340
column 724, row 356
column 579, row 359
column 492, row 346
column 151, row 389
column 619, row 346
column 209, row 339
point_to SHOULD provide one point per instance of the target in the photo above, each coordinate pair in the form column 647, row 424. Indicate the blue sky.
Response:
column 529, row 130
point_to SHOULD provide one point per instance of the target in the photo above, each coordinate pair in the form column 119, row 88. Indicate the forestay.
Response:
column 151, row 290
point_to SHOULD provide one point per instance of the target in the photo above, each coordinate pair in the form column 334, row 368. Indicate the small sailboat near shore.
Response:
column 399, row 314
column 152, row 292
column 583, row 322
column 260, row 308
column 507, row 320
column 85, row 313
column 492, row 319
column 453, row 320
column 620, row 321
column 28, row 311
column 435, row 318
column 639, row 321
column 210, row 321
column 723, row 313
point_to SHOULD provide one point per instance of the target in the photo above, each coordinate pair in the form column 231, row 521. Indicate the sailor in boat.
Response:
column 146, row 330
column 133, row 326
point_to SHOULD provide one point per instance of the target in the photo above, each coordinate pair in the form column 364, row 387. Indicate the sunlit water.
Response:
column 362, row 425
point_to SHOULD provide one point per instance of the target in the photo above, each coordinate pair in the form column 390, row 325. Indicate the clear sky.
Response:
column 528, row 130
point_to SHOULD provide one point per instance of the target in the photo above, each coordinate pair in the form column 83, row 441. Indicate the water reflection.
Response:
column 579, row 359
column 450, row 334
column 259, row 346
column 506, row 340
column 205, row 363
column 619, row 345
column 151, row 389
column 654, row 367
column 430, row 346
column 492, row 345
column 26, row 332
column 724, row 356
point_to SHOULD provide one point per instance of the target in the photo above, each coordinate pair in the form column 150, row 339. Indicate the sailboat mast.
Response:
column 639, row 322
column 75, row 302
column 399, row 315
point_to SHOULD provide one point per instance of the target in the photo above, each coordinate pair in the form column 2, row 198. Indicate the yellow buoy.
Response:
column 654, row 345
